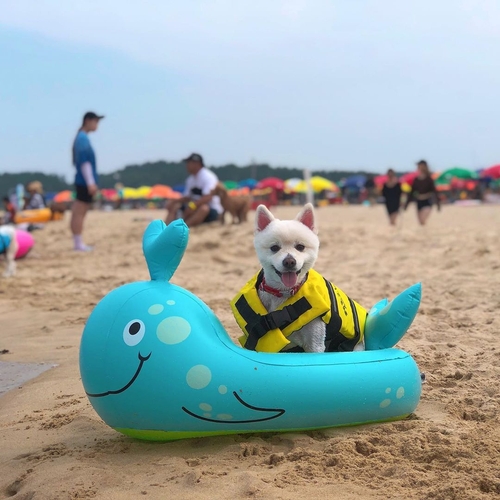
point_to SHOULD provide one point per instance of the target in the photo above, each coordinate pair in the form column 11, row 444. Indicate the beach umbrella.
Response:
column 249, row 183
column 143, row 191
column 290, row 184
column 455, row 173
column 355, row 181
column 468, row 185
column 230, row 184
column 64, row 196
column 380, row 180
column 109, row 194
column 129, row 193
column 493, row 172
column 241, row 191
column 408, row 178
column 318, row 184
column 271, row 182
column 160, row 191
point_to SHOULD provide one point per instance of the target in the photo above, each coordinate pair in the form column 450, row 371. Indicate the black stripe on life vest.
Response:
column 350, row 344
column 258, row 325
column 333, row 298
column 333, row 337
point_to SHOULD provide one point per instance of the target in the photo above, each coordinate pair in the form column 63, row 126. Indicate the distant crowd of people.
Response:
column 199, row 204
column 423, row 193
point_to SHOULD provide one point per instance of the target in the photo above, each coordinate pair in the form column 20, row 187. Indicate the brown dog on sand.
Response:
column 238, row 206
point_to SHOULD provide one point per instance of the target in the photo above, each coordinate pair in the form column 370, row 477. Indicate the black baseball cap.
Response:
column 90, row 115
column 194, row 157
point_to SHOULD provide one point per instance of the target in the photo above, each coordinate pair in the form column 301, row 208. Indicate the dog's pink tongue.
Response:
column 289, row 279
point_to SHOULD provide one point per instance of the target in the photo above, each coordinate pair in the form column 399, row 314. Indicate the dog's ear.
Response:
column 263, row 217
column 306, row 216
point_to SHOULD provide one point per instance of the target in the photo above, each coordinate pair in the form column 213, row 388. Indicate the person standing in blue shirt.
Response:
column 86, row 178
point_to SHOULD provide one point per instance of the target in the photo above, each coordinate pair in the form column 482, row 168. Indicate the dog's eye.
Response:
column 275, row 248
column 300, row 247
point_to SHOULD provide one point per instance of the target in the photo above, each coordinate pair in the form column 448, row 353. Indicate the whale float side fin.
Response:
column 387, row 322
column 164, row 247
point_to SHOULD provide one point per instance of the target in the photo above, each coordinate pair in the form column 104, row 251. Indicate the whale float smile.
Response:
column 142, row 360
column 200, row 383
column 277, row 413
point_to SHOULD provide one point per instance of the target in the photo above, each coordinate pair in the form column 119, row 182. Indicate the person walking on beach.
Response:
column 198, row 205
column 392, row 195
column 86, row 178
column 424, row 192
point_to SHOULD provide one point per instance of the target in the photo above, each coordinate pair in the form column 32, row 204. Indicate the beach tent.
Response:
column 492, row 172
column 64, row 196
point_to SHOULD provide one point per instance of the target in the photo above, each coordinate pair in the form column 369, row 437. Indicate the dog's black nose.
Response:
column 289, row 262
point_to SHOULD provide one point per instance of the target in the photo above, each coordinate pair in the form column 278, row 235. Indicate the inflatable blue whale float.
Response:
column 157, row 364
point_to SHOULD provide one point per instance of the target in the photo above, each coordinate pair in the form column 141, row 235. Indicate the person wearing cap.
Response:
column 197, row 206
column 86, row 178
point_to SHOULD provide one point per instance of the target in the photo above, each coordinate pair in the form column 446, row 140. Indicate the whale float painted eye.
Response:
column 133, row 332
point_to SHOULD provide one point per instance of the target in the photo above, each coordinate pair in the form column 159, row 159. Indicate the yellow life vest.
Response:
column 317, row 298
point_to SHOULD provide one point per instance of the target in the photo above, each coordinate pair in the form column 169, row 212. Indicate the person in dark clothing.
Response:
column 370, row 189
column 424, row 192
column 392, row 194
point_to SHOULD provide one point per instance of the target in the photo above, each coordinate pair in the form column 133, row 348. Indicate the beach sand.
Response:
column 54, row 446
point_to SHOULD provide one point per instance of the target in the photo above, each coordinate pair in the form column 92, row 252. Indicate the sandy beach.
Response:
column 54, row 446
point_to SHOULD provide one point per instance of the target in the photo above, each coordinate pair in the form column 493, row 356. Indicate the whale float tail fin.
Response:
column 387, row 322
column 164, row 247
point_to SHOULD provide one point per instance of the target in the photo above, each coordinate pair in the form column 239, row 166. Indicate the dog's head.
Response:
column 287, row 249
column 219, row 190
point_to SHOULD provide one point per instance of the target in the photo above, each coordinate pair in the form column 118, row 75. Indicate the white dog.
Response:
column 8, row 247
column 288, row 304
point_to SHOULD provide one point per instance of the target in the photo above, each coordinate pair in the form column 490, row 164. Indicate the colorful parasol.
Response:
column 64, row 196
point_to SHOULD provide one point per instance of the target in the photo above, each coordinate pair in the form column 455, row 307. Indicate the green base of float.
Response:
column 164, row 436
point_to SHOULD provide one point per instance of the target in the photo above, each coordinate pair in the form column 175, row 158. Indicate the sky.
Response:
column 319, row 84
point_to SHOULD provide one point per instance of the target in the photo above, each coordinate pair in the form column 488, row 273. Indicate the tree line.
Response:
column 170, row 173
